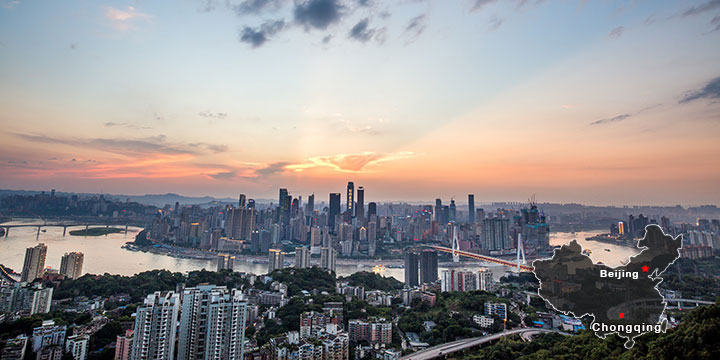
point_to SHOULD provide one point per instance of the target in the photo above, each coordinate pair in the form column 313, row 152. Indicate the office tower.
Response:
column 372, row 209
column 155, row 327
column 71, row 265
column 251, row 204
column 360, row 205
column 212, row 323
column 225, row 261
column 428, row 266
column 333, row 210
column 480, row 215
column 123, row 346
column 438, row 211
column 310, row 206
column 240, row 222
column 496, row 234
column 34, row 264
column 284, row 207
column 350, row 198
column 241, row 201
column 328, row 256
column 471, row 208
column 77, row 346
column 276, row 260
column 411, row 268
column 452, row 211
column 302, row 257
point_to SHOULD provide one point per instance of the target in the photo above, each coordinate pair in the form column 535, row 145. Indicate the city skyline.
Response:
column 605, row 103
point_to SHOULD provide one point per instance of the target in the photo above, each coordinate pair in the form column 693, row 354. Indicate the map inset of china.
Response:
column 622, row 300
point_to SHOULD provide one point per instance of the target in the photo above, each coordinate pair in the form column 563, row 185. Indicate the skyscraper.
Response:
column 350, row 198
column 372, row 209
column 360, row 204
column 225, row 261
column 71, row 265
column 212, row 323
column 284, row 206
column 310, row 206
column 471, row 208
column 155, row 327
column 123, row 346
column 328, row 256
column 302, row 257
column 34, row 264
column 428, row 266
column 241, row 201
column 452, row 211
column 334, row 209
column 411, row 268
column 276, row 260
column 496, row 234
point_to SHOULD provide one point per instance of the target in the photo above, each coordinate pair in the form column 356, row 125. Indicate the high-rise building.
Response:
column 310, row 206
column 496, row 234
column 333, row 209
column 212, row 323
column 428, row 266
column 302, row 257
column 372, row 209
column 225, row 261
column 411, row 268
column 123, row 346
column 438, row 211
column 71, row 265
column 34, row 264
column 41, row 300
column 373, row 331
column 276, row 260
column 452, row 211
column 14, row 348
column 350, row 193
column 77, row 346
column 48, row 335
column 328, row 257
column 155, row 327
column 241, row 201
column 360, row 203
column 471, row 208
column 284, row 207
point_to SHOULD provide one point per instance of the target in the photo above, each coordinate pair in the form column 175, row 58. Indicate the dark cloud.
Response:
column 617, row 32
column 495, row 23
column 326, row 39
column 610, row 120
column 360, row 31
column 318, row 14
column 479, row 4
column 710, row 91
column 154, row 144
column 260, row 35
column 73, row 46
column 364, row 2
column 715, row 22
column 273, row 168
column 708, row 6
column 416, row 26
column 257, row 6
column 223, row 175
column 207, row 114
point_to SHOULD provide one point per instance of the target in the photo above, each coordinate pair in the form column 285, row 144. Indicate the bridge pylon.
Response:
column 520, row 252
column 455, row 245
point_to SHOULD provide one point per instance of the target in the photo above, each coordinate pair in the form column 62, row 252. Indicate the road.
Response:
column 459, row 345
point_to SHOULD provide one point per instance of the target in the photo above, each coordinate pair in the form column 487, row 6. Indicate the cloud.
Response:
column 318, row 14
column 127, row 125
column 247, row 7
column 416, row 26
column 73, row 46
column 223, row 175
column 617, row 32
column 9, row 4
column 715, row 22
column 610, row 120
column 348, row 162
column 479, row 4
column 123, row 19
column 495, row 23
column 207, row 114
column 149, row 145
column 708, row 6
column 360, row 31
column 364, row 3
column 273, row 168
column 710, row 91
column 257, row 37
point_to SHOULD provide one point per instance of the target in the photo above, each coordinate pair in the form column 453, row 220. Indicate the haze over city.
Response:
column 599, row 102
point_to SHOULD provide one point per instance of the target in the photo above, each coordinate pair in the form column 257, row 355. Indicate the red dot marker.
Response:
column 622, row 315
column 645, row 268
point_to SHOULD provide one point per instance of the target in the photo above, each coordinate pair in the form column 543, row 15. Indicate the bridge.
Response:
column 39, row 227
column 6, row 275
column 692, row 302
column 460, row 345
column 489, row 259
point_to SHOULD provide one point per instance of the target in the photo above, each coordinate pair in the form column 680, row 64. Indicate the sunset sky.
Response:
column 596, row 102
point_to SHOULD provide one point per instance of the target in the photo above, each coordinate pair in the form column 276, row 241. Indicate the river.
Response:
column 104, row 255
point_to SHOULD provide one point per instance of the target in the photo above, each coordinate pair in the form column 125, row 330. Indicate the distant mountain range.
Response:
column 158, row 200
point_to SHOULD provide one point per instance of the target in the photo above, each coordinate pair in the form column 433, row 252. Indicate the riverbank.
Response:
column 98, row 231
